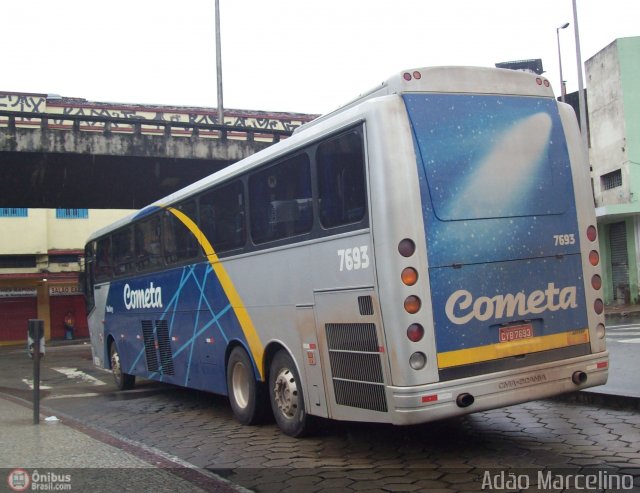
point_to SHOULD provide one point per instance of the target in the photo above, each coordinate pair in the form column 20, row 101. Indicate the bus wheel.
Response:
column 285, row 393
column 246, row 395
column 123, row 380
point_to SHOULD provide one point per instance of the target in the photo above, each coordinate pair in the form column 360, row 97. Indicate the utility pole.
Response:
column 581, row 99
column 219, row 66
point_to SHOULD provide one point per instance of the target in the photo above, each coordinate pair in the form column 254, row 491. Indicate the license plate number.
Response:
column 516, row 332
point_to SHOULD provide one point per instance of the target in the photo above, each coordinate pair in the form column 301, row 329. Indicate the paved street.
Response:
column 454, row 455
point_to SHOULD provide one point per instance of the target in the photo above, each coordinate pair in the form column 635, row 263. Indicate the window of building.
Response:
column 72, row 213
column 179, row 242
column 222, row 216
column 14, row 212
column 611, row 180
column 17, row 261
column 280, row 200
column 341, row 180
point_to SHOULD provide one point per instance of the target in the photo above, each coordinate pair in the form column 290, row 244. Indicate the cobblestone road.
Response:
column 455, row 455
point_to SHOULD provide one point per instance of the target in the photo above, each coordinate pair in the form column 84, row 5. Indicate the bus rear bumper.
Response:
column 412, row 405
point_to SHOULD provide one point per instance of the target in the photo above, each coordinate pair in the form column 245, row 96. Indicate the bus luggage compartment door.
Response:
column 352, row 347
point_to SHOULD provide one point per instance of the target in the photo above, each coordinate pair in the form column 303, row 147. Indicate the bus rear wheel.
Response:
column 285, row 394
column 246, row 395
column 124, row 381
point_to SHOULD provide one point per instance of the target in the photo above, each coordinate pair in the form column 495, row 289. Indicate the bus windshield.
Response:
column 490, row 156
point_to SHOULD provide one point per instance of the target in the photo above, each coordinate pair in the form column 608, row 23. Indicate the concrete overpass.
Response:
column 66, row 152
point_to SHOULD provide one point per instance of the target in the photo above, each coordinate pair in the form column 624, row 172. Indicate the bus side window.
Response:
column 179, row 242
column 281, row 202
column 123, row 261
column 341, row 180
column 148, row 244
column 222, row 216
column 103, row 269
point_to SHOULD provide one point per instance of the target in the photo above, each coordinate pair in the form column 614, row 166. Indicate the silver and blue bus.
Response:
column 427, row 250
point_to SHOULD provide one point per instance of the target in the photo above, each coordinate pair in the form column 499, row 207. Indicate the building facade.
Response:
column 613, row 79
column 41, row 257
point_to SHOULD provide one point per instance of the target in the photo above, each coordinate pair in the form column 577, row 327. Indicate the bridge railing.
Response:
column 12, row 120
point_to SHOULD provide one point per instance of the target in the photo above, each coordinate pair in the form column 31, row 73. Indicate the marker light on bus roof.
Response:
column 592, row 233
column 406, row 76
column 417, row 75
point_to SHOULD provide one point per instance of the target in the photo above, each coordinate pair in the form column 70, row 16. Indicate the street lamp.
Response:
column 562, row 91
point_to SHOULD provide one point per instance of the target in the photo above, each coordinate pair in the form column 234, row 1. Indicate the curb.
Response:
column 602, row 400
column 201, row 478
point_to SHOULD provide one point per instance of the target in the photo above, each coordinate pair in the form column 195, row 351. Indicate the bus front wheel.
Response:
column 246, row 395
column 285, row 394
column 124, row 381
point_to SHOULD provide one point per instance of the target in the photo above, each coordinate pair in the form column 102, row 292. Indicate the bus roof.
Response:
column 452, row 79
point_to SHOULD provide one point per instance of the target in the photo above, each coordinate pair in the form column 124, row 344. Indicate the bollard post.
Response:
column 36, row 349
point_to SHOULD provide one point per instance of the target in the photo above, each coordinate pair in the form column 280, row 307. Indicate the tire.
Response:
column 246, row 395
column 285, row 394
column 123, row 381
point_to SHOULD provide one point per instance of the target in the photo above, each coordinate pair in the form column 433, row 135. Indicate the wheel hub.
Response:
column 286, row 393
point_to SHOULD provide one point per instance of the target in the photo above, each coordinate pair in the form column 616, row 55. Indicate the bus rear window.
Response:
column 488, row 156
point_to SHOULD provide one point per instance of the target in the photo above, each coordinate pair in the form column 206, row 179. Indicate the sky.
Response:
column 305, row 56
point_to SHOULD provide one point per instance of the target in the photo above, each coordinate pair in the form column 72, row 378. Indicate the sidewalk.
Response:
column 63, row 452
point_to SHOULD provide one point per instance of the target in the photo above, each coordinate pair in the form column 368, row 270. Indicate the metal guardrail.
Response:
column 192, row 129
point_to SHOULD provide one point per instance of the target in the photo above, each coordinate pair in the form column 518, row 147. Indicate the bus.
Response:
column 427, row 250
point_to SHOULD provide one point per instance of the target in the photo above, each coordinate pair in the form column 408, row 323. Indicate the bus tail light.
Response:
column 415, row 332
column 406, row 247
column 417, row 360
column 409, row 276
column 598, row 306
column 600, row 331
column 594, row 258
column 596, row 282
column 592, row 233
column 412, row 304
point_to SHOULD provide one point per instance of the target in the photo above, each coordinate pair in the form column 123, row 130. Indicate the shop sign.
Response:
column 18, row 292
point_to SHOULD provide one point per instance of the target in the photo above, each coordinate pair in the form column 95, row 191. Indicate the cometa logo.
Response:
column 461, row 307
column 142, row 298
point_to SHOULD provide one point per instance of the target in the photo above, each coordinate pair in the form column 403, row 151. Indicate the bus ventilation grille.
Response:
column 157, row 346
column 356, row 366
column 365, row 303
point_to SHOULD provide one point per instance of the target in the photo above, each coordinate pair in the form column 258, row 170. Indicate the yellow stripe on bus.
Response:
column 255, row 345
column 513, row 348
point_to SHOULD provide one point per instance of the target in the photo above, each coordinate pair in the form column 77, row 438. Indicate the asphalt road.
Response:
column 542, row 437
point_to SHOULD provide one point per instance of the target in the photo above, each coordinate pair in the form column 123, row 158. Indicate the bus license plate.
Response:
column 516, row 332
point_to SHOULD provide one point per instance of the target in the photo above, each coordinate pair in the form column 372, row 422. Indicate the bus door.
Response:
column 501, row 231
